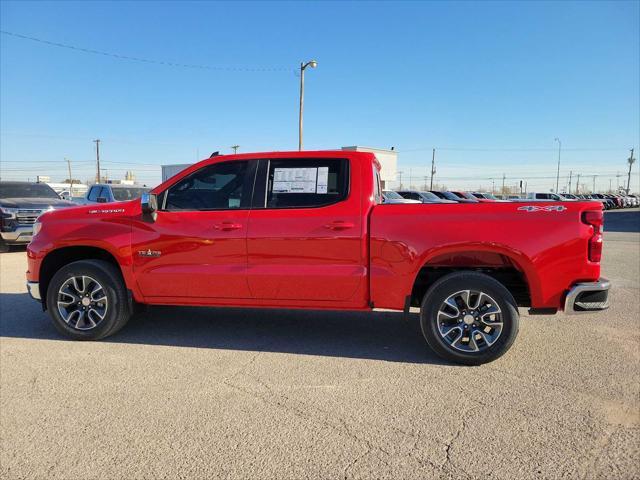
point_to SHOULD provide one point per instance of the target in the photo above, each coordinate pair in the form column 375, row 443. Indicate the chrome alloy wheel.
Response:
column 470, row 321
column 82, row 302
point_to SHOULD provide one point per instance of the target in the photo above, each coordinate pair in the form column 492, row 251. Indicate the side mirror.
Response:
column 101, row 200
column 148, row 203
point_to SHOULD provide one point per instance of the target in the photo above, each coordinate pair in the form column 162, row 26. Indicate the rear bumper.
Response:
column 588, row 297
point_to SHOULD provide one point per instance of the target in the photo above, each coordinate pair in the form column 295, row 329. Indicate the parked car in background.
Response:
column 486, row 196
column 470, row 196
column 607, row 203
column 423, row 197
column 20, row 205
column 390, row 196
column 113, row 192
column 569, row 196
column 453, row 197
column 553, row 197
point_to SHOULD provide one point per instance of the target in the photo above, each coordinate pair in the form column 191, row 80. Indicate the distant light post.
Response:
column 558, row 174
column 631, row 161
column 303, row 66
column 235, row 148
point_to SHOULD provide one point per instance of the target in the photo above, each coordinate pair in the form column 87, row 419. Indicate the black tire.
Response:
column 118, row 309
column 447, row 286
column 4, row 248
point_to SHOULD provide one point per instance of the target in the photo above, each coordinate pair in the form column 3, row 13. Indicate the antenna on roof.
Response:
column 215, row 154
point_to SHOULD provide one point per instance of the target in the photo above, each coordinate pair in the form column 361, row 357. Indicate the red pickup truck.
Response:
column 310, row 230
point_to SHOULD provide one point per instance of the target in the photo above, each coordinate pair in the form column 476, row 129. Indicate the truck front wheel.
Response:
column 88, row 300
column 469, row 318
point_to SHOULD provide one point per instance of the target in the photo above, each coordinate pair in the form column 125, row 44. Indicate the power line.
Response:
column 147, row 60
column 514, row 149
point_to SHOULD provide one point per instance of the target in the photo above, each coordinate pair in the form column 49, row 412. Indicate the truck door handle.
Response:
column 339, row 225
column 227, row 226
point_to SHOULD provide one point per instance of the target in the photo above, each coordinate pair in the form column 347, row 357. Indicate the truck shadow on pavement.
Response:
column 365, row 335
column 620, row 221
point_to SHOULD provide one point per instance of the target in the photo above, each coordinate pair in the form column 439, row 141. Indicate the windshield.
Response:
column 489, row 196
column 429, row 196
column 392, row 195
column 466, row 195
column 451, row 196
column 26, row 190
column 122, row 194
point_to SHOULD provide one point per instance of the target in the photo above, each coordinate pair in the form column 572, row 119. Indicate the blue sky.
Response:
column 490, row 85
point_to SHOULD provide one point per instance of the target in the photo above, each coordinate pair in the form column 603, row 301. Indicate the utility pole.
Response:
column 610, row 191
column 425, row 182
column 235, row 148
column 433, row 167
column 70, row 177
column 631, row 160
column 493, row 186
column 303, row 66
column 410, row 178
column 578, row 185
column 569, row 189
column 97, row 142
column 594, row 184
column 400, row 172
column 558, row 174
column 503, row 177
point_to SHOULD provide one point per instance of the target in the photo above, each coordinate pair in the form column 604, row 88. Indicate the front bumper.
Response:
column 34, row 290
column 21, row 234
column 588, row 297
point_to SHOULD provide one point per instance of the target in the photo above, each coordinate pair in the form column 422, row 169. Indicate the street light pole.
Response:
column 433, row 167
column 97, row 142
column 70, row 178
column 558, row 174
column 303, row 66
column 631, row 160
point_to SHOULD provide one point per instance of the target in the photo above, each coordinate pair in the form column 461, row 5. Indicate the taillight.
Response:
column 594, row 218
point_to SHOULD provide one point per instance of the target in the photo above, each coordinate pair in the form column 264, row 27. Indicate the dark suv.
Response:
column 20, row 205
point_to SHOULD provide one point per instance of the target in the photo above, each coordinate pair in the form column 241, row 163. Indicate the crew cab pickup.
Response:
column 309, row 230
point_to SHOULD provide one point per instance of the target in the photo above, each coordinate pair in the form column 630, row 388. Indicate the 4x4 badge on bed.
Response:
column 546, row 208
column 149, row 253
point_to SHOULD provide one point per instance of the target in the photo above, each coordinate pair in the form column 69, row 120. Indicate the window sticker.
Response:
column 323, row 180
column 295, row 180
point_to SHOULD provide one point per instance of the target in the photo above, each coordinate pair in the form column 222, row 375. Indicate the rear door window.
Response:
column 306, row 183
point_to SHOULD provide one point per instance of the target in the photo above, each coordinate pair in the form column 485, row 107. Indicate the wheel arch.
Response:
column 56, row 259
column 510, row 268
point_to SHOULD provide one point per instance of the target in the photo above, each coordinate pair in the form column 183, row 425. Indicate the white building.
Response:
column 388, row 161
column 169, row 171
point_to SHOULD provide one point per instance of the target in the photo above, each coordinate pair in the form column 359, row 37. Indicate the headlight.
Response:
column 36, row 228
column 8, row 212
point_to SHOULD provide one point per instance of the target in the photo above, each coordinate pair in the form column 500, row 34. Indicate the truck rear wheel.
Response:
column 87, row 300
column 469, row 318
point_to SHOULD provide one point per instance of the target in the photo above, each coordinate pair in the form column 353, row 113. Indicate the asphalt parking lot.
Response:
column 237, row 393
